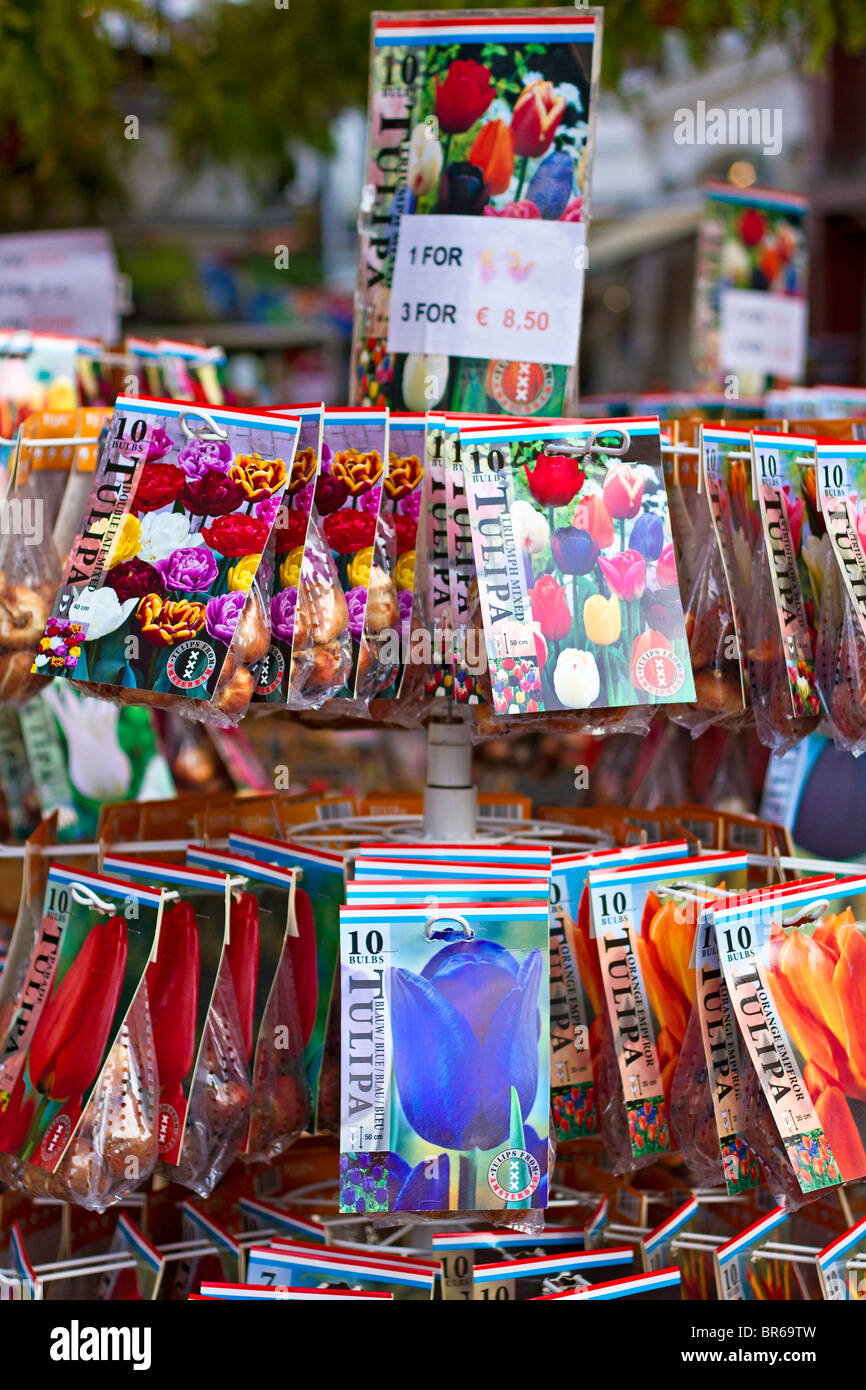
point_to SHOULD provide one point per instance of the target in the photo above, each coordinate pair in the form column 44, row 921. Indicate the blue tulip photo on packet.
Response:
column 445, row 1067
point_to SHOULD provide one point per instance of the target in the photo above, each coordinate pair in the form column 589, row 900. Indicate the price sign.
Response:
column 488, row 287
column 763, row 332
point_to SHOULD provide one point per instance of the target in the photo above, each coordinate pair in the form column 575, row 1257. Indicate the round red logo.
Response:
column 169, row 1128
column 55, row 1138
column 659, row 671
column 521, row 388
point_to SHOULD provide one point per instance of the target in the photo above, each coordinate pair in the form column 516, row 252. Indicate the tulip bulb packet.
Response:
column 318, row 904
column 204, row 1089
column 576, row 986
column 722, row 1054
column 784, row 482
column 348, row 498
column 385, row 647
column 576, row 568
column 442, row 446
column 473, row 223
column 263, row 930
column 281, row 565
column 78, row 1082
column 644, row 921
column 445, row 1057
column 841, row 473
column 795, row 968
column 158, row 593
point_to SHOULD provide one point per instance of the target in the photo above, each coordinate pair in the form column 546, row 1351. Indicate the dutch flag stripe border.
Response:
column 673, row 1224
column 620, row 1288
column 842, row 1244
column 553, row 1264
column 751, row 1234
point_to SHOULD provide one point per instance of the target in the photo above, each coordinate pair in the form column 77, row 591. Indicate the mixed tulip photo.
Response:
column 593, row 537
column 180, row 569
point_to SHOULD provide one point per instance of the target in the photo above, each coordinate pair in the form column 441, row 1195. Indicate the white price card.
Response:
column 763, row 332
column 493, row 287
column 59, row 282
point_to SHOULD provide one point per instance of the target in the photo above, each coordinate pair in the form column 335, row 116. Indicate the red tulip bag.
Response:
column 79, row 1068
column 263, row 934
column 204, row 1087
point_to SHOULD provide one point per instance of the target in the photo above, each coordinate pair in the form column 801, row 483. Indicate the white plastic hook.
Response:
column 455, row 923
column 88, row 898
column 213, row 430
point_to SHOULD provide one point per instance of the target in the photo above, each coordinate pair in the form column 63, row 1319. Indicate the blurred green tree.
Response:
column 239, row 81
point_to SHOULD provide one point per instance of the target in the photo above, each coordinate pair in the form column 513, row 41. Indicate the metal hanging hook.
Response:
column 591, row 445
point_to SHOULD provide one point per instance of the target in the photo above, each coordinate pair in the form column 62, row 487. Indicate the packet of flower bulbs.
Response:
column 445, row 1057
column 263, row 931
column 300, row 1266
column 347, row 499
column 784, row 484
column 204, row 1086
column 281, row 565
column 708, row 1103
column 795, row 968
column 576, row 568
column 78, row 1080
column 479, row 153
column 644, row 920
column 158, row 603
column 315, row 951
column 391, row 583
column 715, row 642
column 841, row 476
column 576, row 986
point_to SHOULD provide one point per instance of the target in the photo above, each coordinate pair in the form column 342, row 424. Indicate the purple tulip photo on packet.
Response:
column 445, row 1068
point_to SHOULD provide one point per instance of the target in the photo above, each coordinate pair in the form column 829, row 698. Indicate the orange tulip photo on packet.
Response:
column 78, row 1053
column 796, row 974
column 644, row 920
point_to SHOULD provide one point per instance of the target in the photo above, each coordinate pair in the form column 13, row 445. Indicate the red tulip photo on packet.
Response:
column 80, row 1120
column 204, row 1086
column 796, row 972
column 262, row 932
column 445, row 1057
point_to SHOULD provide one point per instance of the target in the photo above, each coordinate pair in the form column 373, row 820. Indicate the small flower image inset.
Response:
column 364, row 1182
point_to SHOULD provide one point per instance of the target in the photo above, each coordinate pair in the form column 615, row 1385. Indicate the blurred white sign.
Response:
column 59, row 282
column 763, row 332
